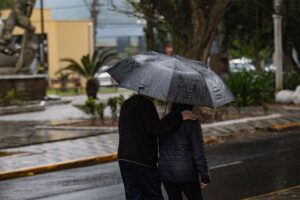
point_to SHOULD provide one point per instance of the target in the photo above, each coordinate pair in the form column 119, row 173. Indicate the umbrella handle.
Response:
column 165, row 108
column 140, row 88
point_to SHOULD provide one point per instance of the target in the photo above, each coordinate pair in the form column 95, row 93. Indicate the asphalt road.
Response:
column 239, row 169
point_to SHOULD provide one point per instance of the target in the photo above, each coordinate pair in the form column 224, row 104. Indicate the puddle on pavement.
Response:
column 13, row 153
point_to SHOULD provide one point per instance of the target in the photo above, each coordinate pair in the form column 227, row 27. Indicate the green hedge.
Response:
column 257, row 88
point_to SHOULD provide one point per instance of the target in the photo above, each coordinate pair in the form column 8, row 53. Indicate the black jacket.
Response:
column 139, row 126
column 181, row 155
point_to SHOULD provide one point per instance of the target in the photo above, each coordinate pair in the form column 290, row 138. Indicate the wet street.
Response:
column 239, row 169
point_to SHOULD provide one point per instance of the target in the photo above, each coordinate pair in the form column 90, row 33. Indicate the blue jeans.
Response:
column 140, row 182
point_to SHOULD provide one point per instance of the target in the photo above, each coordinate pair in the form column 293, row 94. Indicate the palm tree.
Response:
column 89, row 66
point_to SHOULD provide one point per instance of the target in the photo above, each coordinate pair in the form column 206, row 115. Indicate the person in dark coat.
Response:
column 139, row 126
column 182, row 159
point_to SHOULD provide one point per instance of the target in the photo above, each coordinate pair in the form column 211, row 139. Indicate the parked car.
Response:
column 105, row 79
column 240, row 64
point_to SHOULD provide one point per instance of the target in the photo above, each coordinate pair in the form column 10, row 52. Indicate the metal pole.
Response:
column 42, row 36
column 278, row 51
column 94, row 15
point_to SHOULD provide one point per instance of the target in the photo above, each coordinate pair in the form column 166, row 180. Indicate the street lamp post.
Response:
column 278, row 59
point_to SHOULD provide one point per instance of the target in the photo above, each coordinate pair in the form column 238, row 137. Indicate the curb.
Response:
column 10, row 110
column 93, row 160
column 242, row 120
column 281, row 127
column 219, row 138
column 106, row 129
column 31, row 171
column 273, row 193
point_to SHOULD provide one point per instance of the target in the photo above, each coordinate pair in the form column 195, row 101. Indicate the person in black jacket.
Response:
column 139, row 126
column 182, row 160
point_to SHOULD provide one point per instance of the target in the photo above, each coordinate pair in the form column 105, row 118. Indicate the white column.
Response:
column 278, row 59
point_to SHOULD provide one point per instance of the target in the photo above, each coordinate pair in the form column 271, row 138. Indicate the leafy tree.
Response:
column 291, row 31
column 249, row 30
column 192, row 24
column 89, row 67
column 63, row 79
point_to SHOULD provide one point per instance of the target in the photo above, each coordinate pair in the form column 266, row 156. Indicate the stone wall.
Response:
column 26, row 87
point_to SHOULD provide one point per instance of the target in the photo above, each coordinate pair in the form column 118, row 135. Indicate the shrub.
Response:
column 94, row 109
column 10, row 98
column 89, row 107
column 113, row 104
column 121, row 100
column 257, row 88
column 291, row 80
column 251, row 87
column 100, row 107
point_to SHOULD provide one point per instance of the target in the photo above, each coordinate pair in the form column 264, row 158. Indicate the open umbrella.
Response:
column 171, row 78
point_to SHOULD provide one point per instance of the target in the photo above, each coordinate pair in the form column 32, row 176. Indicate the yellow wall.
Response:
column 66, row 39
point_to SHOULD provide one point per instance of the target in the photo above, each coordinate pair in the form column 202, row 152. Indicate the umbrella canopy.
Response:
column 171, row 78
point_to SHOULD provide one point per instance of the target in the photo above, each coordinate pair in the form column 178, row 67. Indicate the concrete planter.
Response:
column 28, row 87
column 21, row 109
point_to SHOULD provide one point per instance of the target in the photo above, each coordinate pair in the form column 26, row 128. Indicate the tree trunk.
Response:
column 150, row 36
column 92, row 86
column 94, row 15
column 193, row 25
column 148, row 9
column 258, row 64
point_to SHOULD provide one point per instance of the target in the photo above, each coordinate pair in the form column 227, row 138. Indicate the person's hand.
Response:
column 203, row 185
column 188, row 115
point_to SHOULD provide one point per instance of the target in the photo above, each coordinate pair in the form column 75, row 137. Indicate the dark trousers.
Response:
column 140, row 182
column 191, row 190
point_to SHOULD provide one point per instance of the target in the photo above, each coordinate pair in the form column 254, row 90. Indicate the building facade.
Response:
column 64, row 39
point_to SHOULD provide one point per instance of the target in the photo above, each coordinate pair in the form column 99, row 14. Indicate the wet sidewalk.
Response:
column 33, row 159
column 93, row 149
column 41, row 146
column 62, row 111
column 292, row 193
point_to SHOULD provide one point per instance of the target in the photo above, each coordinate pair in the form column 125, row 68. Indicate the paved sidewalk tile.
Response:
column 56, row 152
column 78, row 149
column 292, row 193
column 251, row 125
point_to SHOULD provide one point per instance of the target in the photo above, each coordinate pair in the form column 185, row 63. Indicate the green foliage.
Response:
column 121, row 100
column 249, row 30
column 10, row 98
column 100, row 107
column 113, row 104
column 252, row 88
column 89, row 66
column 291, row 31
column 190, row 24
column 89, row 107
column 63, row 79
column 291, row 80
column 5, row 4
column 257, row 88
column 94, row 109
